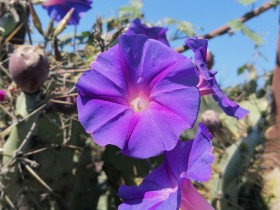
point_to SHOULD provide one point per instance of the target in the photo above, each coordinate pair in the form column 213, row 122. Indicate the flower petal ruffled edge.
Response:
column 199, row 47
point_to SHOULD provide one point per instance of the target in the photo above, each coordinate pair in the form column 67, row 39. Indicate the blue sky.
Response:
column 230, row 51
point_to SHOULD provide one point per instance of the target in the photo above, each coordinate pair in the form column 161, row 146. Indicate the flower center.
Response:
column 139, row 104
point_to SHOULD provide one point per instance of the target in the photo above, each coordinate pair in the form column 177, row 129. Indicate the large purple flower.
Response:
column 169, row 186
column 207, row 82
column 157, row 33
column 57, row 9
column 140, row 95
column 2, row 95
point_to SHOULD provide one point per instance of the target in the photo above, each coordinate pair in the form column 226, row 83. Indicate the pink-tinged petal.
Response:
column 171, row 202
column 203, row 86
column 99, row 116
column 156, row 130
column 190, row 198
column 201, row 156
column 157, row 33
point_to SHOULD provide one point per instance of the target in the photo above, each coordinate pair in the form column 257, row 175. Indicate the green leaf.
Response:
column 136, row 4
column 275, row 2
column 132, row 11
column 241, row 69
column 111, row 24
column 170, row 21
column 128, row 11
column 252, row 35
column 235, row 25
column 246, row 2
column 186, row 28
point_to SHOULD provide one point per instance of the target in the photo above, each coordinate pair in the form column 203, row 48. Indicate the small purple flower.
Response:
column 132, row 97
column 57, row 9
column 207, row 82
column 3, row 95
column 157, row 33
column 169, row 185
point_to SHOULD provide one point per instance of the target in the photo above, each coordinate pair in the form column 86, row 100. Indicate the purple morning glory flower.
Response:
column 207, row 82
column 2, row 95
column 157, row 33
column 57, row 9
column 132, row 97
column 169, row 185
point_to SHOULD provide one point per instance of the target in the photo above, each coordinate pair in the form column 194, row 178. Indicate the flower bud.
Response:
column 2, row 95
column 211, row 119
column 29, row 68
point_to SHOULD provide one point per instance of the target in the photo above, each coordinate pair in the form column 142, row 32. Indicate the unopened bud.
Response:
column 29, row 68
column 211, row 119
column 35, row 19
column 63, row 23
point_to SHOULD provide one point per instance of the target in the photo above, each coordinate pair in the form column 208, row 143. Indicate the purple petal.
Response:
column 199, row 46
column 190, row 198
column 99, row 116
column 228, row 106
column 192, row 159
column 201, row 157
column 172, row 101
column 146, row 58
column 171, row 202
column 153, row 193
column 102, row 87
column 159, row 179
column 182, row 72
column 139, row 85
column 176, row 86
column 57, row 9
column 109, row 64
column 157, row 33
column 156, row 130
column 151, row 200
